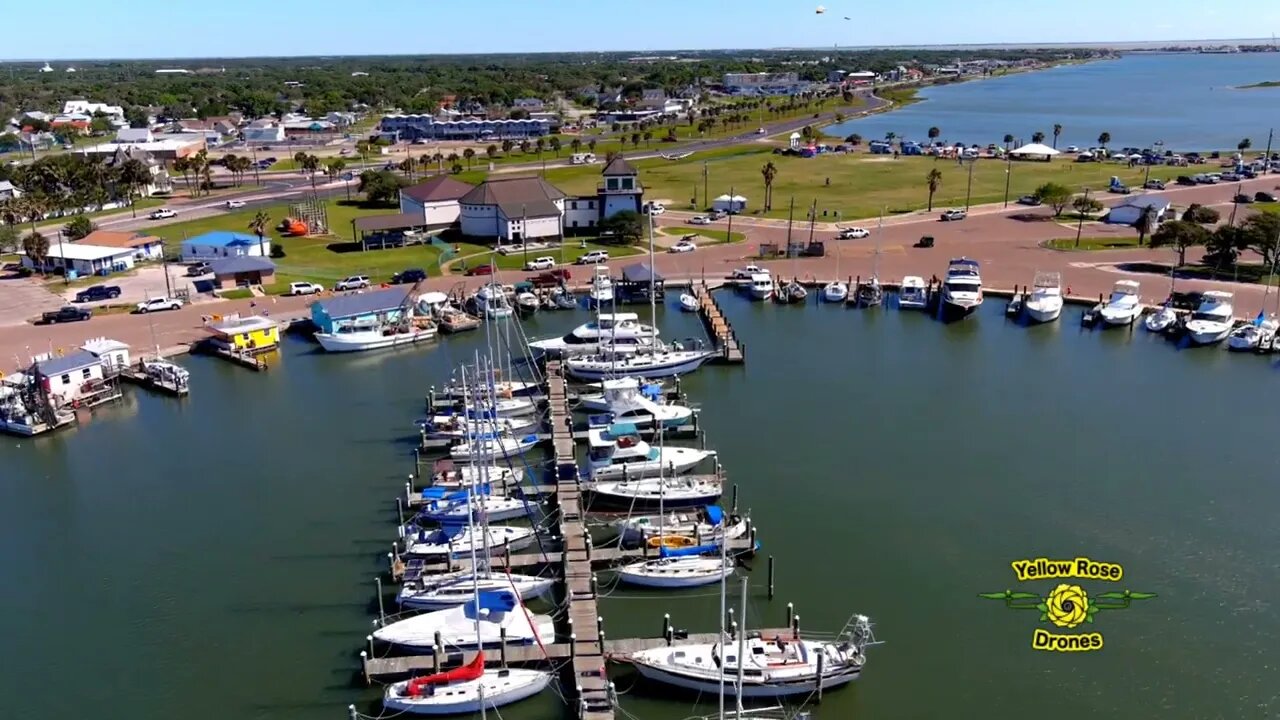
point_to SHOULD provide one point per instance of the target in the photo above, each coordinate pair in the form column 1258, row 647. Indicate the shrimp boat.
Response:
column 618, row 452
column 440, row 592
column 912, row 295
column 791, row 293
column 619, row 328
column 493, row 612
column 870, row 293
column 1044, row 304
column 679, row 568
column 457, row 541
column 465, row 690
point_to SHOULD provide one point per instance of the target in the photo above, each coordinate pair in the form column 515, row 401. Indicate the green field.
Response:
column 717, row 236
column 140, row 205
column 861, row 185
column 1094, row 243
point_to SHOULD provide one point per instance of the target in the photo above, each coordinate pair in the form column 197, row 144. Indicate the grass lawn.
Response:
column 141, row 204
column 718, row 236
column 861, row 185
column 473, row 255
column 1273, row 208
column 236, row 294
column 1092, row 243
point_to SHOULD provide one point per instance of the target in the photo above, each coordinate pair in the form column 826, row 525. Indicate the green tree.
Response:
column 333, row 167
column 591, row 145
column 934, row 132
column 1103, row 139
column 310, row 164
column 626, row 227
column 381, row 186
column 854, row 139
column 1223, row 246
column 1244, row 144
column 9, row 239
column 934, row 181
column 491, row 151
column 78, row 227
column 555, row 145
column 1057, row 130
column 1086, row 205
column 1055, row 195
column 768, row 172
column 456, row 167
column 1008, row 141
column 1180, row 235
column 539, row 145
column 1037, row 137
column 468, row 154
column 1145, row 223
column 1261, row 234
column 575, row 145
column 36, row 246
column 1198, row 213
column 258, row 226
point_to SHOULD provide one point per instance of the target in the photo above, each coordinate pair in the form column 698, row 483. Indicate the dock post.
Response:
column 391, row 564
column 730, row 621
column 820, row 663
column 770, row 577
column 795, row 628
column 791, row 613
column 751, row 535
column 697, row 534
column 644, row 548
column 733, row 630
column 400, row 510
column 437, row 651
column 594, row 585
column 735, row 499
column 670, row 635
column 382, row 613
column 586, row 538
column 506, row 555
column 573, row 649
column 408, row 491
column 600, row 638
column 351, row 712
column 364, row 666
column 502, row 647
column 369, row 639
column 666, row 623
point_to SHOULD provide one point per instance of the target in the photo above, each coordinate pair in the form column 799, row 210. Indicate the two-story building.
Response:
column 512, row 209
column 435, row 201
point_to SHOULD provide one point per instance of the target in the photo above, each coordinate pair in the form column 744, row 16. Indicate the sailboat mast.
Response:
column 724, row 609
column 653, row 296
column 742, row 646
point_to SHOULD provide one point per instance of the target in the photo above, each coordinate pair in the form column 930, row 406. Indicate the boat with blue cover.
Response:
column 457, row 541
column 618, row 452
column 709, row 523
column 493, row 612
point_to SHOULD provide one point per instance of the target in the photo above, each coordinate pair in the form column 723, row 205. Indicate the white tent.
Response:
column 727, row 203
column 1034, row 150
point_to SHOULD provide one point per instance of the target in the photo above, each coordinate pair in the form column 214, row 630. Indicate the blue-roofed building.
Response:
column 359, row 310
column 223, row 244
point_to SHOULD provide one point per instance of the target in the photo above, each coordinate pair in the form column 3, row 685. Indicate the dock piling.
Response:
column 791, row 613
column 735, row 498
column 351, row 712
column 733, row 630
column 364, row 666
column 400, row 510
column 382, row 613
column 666, row 624
column 730, row 621
column 573, row 650
column 795, row 628
column 502, row 646
column 437, row 652
column 820, row 664
column 369, row 639
column 770, row 577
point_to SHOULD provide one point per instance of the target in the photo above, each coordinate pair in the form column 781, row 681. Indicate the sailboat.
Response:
column 870, row 293
column 1262, row 331
column 835, row 291
column 708, row 523
column 617, row 452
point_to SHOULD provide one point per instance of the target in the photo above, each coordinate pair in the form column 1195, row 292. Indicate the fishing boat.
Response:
column 913, row 295
column 1124, row 306
column 626, row 402
column 620, row 328
column 1211, row 322
column 598, row 402
column 493, row 612
column 440, row 592
column 679, row 568
column 456, row 541
column 499, row 446
column 465, row 690
column 962, row 288
column 662, row 363
column 601, row 290
column 707, row 523
column 491, row 302
column 870, row 293
column 527, row 303
column 1044, row 304
column 674, row 492
column 760, row 286
column 1252, row 335
column 835, row 292
column 1161, row 319
column 791, row 293
column 164, row 373
column 761, row 667
column 563, row 298
column 688, row 303
column 618, row 452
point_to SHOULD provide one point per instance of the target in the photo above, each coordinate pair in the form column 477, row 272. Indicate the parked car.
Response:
column 198, row 269
column 233, row 204
column 1264, row 197
column 760, row 131
column 953, row 215
column 699, row 220
column 1242, row 199
column 304, row 288
column 745, row 273
column 1119, row 189
column 1229, row 177
column 925, row 241
column 551, row 278
column 594, row 257
column 66, row 314
column 1029, row 200
column 684, row 246
column 485, row 269
column 98, row 292
column 1185, row 180
column 546, row 262
column 653, row 208
column 162, row 213
column 412, row 275
column 1153, row 185
column 158, row 304
column 717, row 215
column 1072, row 149
column 854, row 233
column 355, row 282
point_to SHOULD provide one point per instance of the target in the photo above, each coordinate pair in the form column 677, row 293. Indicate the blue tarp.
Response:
column 617, row 430
column 686, row 552
column 715, row 515
column 496, row 601
column 653, row 391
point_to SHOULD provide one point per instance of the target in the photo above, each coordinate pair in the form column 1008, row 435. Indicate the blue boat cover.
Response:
column 493, row 600
column 686, row 552
column 527, row 439
column 617, row 430
column 438, row 493
column 715, row 515
column 654, row 454
column 652, row 391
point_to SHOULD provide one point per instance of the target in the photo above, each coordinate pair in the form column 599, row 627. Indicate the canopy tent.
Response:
column 725, row 203
column 1039, row 151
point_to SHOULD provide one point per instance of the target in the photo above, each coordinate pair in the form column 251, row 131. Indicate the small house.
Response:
column 144, row 247
column 234, row 272
column 434, row 201
column 81, row 259
column 1130, row 210
column 223, row 244
column 113, row 354
column 253, row 334
column 360, row 310
column 68, row 378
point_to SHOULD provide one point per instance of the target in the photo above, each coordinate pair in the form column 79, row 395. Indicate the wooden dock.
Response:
column 136, row 376
column 732, row 351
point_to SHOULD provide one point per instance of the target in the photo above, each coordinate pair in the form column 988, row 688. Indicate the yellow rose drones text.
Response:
column 1067, row 606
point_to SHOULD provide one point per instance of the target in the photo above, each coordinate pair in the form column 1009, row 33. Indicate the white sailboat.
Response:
column 452, row 542
column 1044, row 304
column 688, row 303
column 1251, row 335
column 469, row 689
column 672, row 492
column 455, row 427
column 494, row 507
column 1212, row 320
column 835, row 291
column 708, row 523
column 913, row 295
column 439, row 592
column 1124, row 306
column 505, row 447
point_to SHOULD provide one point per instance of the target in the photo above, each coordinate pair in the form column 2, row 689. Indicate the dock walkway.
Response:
column 732, row 351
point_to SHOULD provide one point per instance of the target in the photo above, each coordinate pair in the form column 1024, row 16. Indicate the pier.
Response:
column 732, row 351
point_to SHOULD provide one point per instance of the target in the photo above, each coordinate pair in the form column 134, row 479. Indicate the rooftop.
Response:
column 67, row 363
column 82, row 251
column 222, row 238
column 101, row 345
column 118, row 239
column 364, row 303
column 512, row 193
column 618, row 166
column 437, row 189
column 241, row 264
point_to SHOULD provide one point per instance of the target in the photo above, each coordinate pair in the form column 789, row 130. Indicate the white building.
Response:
column 64, row 378
column 263, row 131
column 435, row 201
column 8, row 190
column 512, row 209
column 113, row 354
column 83, row 260
column 621, row 189
column 84, row 107
column 134, row 135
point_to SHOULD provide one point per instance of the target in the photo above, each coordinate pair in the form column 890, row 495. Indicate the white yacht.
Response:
column 1251, row 335
column 512, row 407
column 465, row 690
column 1211, row 322
column 617, row 452
column 458, row 427
column 1124, row 306
column 681, row 568
column 598, row 402
column 962, row 288
column 457, row 625
column 618, row 328
column 760, row 286
column 835, row 291
column 770, row 667
column 453, row 542
column 601, row 291
column 491, row 300
column 1162, row 319
column 626, row 402
column 440, row 592
column 660, row 363
column 1044, row 304
column 665, row 492
column 448, row 475
column 355, row 338
column 913, row 295
column 688, row 303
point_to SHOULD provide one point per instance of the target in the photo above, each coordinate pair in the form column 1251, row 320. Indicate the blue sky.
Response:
column 186, row 28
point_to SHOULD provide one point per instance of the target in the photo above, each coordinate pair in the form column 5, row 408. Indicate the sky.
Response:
column 250, row 28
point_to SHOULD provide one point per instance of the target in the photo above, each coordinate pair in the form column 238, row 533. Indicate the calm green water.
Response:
column 215, row 558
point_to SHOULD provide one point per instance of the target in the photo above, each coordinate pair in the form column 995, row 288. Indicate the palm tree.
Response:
column 591, row 145
column 1037, row 137
column 406, row 166
column 183, row 165
column 934, row 178
column 540, row 144
column 890, row 136
column 1103, row 139
column 575, row 145
column 311, row 164
column 635, row 139
column 769, row 172
column 468, row 154
column 1057, row 130
column 1008, row 140
column 648, row 138
column 1244, row 144
column 507, row 145
column 555, row 146
column 491, row 151
column 261, row 221
column 934, row 132
column 524, row 147
column 333, row 167
column 135, row 175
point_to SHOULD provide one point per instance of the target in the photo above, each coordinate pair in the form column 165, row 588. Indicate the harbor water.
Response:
column 214, row 558
column 1189, row 101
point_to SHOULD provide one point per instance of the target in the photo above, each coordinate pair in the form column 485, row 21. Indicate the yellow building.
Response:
column 252, row 334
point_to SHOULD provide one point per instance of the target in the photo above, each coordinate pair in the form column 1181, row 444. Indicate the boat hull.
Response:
column 450, row 595
column 1119, row 318
column 599, row 370
column 955, row 310
column 629, row 496
column 749, row 690
column 676, row 573
column 1043, row 313
column 372, row 340
column 465, row 698
column 1207, row 333
column 671, row 461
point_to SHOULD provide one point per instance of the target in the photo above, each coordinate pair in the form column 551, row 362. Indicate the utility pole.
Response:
column 706, row 197
column 1080, row 224
column 1266, row 161
column 1008, row 176
column 968, row 193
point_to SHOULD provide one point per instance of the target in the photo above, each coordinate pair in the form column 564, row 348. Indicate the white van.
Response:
column 582, row 158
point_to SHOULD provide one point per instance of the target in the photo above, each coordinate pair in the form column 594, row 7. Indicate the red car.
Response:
column 480, row 270
column 551, row 278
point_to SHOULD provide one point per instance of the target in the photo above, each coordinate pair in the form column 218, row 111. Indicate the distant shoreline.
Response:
column 1267, row 84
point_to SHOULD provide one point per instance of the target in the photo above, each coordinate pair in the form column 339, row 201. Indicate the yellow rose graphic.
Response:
column 1067, row 606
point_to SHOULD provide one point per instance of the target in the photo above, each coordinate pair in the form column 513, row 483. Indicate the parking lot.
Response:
column 145, row 282
column 22, row 299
